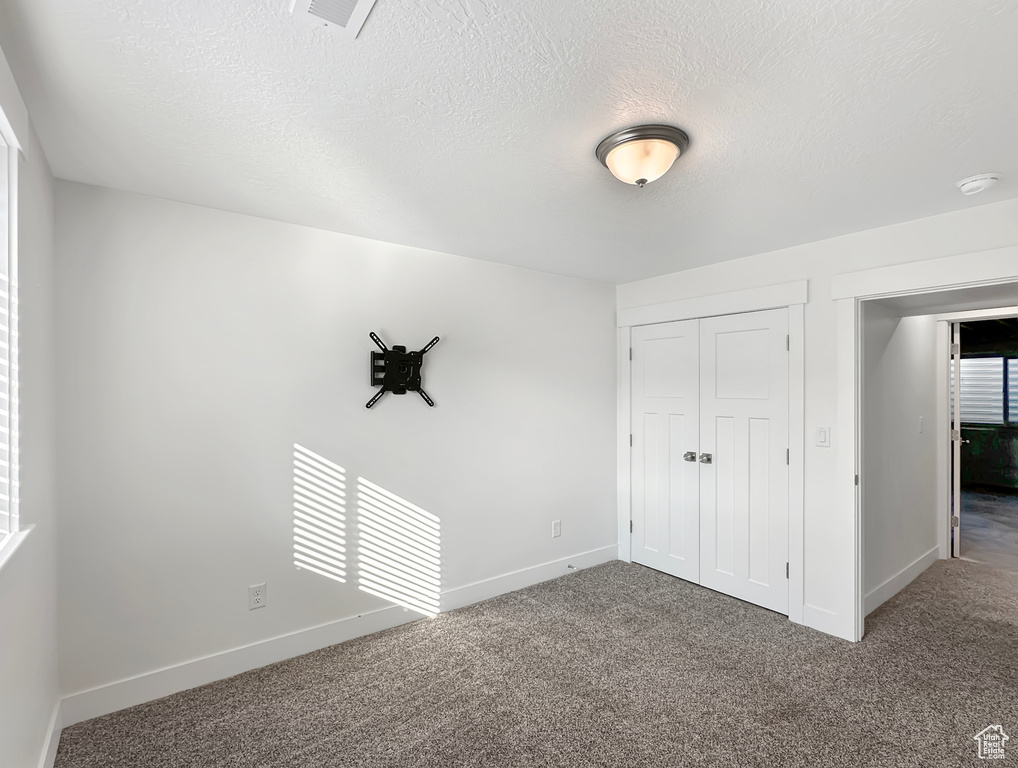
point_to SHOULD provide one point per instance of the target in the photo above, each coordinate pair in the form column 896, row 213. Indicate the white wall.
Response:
column 28, row 581
column 197, row 346
column 829, row 534
column 899, row 386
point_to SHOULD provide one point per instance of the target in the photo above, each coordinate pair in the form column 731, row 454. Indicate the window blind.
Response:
column 982, row 390
column 1012, row 390
column 8, row 346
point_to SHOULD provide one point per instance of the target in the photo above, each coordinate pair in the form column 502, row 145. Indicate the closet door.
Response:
column 744, row 436
column 665, row 482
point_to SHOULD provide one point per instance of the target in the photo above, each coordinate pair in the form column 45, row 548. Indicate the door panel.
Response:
column 737, row 356
column 759, row 492
column 665, row 419
column 720, row 539
column 744, row 426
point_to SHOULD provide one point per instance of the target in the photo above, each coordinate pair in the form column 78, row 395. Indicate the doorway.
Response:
column 985, row 431
column 910, row 491
column 710, row 453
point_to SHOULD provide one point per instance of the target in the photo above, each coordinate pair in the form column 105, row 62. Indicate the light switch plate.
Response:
column 823, row 437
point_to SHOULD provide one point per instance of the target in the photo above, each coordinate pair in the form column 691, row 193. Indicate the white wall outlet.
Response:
column 823, row 437
column 256, row 596
column 556, row 528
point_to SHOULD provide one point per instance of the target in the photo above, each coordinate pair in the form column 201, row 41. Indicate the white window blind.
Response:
column 982, row 390
column 8, row 344
column 1012, row 390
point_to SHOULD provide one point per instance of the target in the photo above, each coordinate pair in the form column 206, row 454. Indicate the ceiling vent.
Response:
column 347, row 15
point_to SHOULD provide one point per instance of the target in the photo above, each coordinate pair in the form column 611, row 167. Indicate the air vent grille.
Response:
column 347, row 16
column 333, row 11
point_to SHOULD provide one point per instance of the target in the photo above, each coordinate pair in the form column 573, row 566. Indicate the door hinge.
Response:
column 630, row 353
column 857, row 479
column 630, row 441
column 788, row 458
column 955, row 349
column 630, row 526
column 788, row 343
column 786, row 570
column 956, row 434
column 955, row 521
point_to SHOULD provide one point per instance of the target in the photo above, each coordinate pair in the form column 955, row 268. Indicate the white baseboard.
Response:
column 509, row 582
column 49, row 753
column 84, row 705
column 881, row 594
column 131, row 691
column 828, row 622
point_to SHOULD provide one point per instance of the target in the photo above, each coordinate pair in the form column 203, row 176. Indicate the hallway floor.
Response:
column 989, row 528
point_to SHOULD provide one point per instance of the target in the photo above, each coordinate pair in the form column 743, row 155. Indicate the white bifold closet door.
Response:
column 710, row 435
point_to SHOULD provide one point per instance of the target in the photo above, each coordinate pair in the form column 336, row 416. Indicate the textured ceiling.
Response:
column 469, row 126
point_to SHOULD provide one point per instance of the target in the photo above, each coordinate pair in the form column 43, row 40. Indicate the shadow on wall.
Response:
column 398, row 554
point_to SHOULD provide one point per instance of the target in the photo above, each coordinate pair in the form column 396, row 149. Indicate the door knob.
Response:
column 705, row 458
column 689, row 456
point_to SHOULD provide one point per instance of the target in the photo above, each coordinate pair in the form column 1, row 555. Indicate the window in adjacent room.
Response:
column 989, row 390
column 982, row 390
column 1012, row 390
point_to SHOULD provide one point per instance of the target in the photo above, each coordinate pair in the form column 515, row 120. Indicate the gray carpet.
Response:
column 614, row 666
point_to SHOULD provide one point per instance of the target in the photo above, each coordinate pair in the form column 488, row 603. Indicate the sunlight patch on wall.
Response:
column 399, row 550
column 319, row 514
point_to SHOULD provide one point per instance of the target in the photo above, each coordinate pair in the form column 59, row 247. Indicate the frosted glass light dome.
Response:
column 642, row 154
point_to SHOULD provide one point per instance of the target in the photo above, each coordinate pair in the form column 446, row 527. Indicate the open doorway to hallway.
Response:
column 907, row 430
column 987, row 459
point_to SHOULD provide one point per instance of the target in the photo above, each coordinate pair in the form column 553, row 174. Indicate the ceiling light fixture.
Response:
column 643, row 153
column 978, row 183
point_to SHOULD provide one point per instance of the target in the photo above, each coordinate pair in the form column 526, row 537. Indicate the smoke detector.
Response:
column 346, row 15
column 975, row 184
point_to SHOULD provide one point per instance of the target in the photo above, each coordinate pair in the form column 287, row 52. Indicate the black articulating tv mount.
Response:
column 398, row 371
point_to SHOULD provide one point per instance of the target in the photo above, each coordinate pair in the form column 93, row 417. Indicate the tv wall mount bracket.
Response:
column 398, row 371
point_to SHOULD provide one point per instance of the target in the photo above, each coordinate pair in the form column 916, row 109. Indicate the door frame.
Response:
column 998, row 266
column 945, row 478
column 793, row 296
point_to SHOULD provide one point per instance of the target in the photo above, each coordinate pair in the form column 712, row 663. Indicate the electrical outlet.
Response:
column 256, row 596
column 556, row 528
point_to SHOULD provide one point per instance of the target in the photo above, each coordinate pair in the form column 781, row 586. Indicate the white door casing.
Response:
column 665, row 412
column 934, row 278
